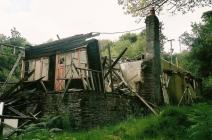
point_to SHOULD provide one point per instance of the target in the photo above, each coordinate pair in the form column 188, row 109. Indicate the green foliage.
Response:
column 141, row 8
column 130, row 37
column 193, row 122
column 104, row 44
column 202, row 122
column 199, row 59
column 7, row 60
column 16, row 38
column 7, row 63
column 171, row 124
column 134, row 42
column 207, row 82
column 62, row 122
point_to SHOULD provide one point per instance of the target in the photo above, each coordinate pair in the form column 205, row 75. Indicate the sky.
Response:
column 41, row 20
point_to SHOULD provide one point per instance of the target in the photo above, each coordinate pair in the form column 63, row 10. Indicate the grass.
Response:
column 189, row 122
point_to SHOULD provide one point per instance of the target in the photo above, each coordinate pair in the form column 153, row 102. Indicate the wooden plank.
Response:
column 4, row 124
column 22, row 125
column 23, row 87
column 66, row 88
column 92, row 82
column 104, row 62
column 110, row 72
column 99, row 83
column 83, row 80
column 142, row 99
column 164, row 85
column 1, row 119
column 12, row 71
column 43, row 85
column 16, row 111
column 87, row 79
column 15, row 130
column 88, row 69
column 8, row 92
column 14, row 117
column 115, row 62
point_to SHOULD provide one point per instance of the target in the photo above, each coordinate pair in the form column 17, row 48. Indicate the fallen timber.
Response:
column 102, row 77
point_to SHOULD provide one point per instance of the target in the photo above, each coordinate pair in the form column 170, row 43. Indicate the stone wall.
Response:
column 91, row 109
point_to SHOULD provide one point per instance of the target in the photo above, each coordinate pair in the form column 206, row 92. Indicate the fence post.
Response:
column 151, row 69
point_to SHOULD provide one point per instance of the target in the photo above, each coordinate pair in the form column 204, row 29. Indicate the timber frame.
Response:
column 70, row 63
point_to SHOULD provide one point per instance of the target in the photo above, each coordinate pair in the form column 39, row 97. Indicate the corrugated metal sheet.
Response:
column 62, row 46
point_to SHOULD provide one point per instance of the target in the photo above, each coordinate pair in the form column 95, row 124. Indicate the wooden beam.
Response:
column 104, row 62
column 83, row 80
column 142, row 99
column 12, row 71
column 15, row 117
column 115, row 62
column 19, row 83
column 16, row 111
column 92, row 81
column 88, row 69
column 110, row 72
column 43, row 85
column 22, row 125
column 66, row 88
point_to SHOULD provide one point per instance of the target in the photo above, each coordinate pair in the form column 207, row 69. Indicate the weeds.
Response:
column 193, row 122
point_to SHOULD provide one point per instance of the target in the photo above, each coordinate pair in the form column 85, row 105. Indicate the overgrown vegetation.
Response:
column 192, row 122
column 134, row 42
column 7, row 58
column 198, row 59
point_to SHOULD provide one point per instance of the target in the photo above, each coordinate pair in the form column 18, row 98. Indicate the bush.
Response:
column 207, row 87
column 171, row 124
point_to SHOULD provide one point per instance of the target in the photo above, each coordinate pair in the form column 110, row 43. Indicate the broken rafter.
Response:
column 22, row 125
column 115, row 62
column 16, row 112
column 110, row 72
column 15, row 117
column 17, row 85
column 142, row 99
column 12, row 71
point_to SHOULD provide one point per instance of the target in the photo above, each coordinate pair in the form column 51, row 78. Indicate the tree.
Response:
column 200, row 56
column 140, row 8
column 16, row 39
column 7, row 60
column 200, row 43
column 130, row 37
column 134, row 42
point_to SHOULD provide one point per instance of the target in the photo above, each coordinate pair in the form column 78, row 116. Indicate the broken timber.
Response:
column 115, row 62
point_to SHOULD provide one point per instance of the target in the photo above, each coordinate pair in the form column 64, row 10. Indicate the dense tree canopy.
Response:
column 140, row 8
column 200, row 43
column 199, row 59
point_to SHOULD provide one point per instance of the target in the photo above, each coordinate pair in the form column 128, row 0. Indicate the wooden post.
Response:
column 12, row 71
column 115, row 62
column 1, row 119
column 111, row 74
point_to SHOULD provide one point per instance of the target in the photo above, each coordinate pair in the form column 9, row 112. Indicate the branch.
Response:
column 153, row 3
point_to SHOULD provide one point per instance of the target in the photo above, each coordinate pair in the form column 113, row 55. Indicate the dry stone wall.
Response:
column 92, row 109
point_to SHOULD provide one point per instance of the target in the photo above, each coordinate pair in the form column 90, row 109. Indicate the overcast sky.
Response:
column 40, row 20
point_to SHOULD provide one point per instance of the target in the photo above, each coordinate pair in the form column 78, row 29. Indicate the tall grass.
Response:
column 193, row 122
